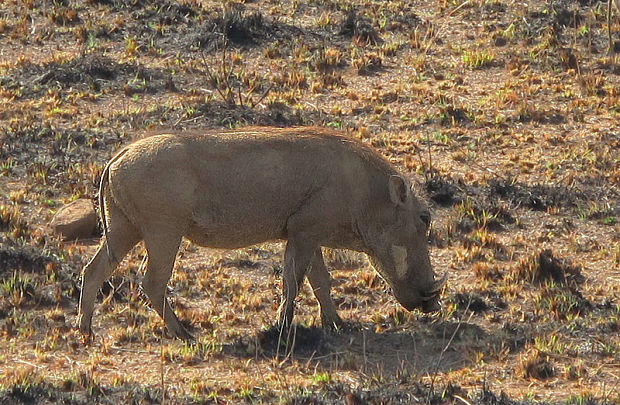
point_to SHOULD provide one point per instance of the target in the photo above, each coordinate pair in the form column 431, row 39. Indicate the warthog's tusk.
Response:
column 438, row 284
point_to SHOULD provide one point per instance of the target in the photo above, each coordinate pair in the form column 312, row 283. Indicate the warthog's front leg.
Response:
column 321, row 284
column 297, row 259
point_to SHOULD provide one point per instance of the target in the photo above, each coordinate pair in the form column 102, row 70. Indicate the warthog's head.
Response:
column 400, row 248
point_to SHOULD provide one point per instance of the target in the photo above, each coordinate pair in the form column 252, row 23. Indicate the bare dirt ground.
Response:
column 504, row 113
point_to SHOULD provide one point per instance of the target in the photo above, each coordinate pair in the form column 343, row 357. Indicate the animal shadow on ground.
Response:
column 432, row 348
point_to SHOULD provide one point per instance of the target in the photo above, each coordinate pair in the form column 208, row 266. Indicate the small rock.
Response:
column 76, row 220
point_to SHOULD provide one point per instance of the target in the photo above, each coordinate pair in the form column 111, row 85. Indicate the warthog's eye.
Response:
column 426, row 218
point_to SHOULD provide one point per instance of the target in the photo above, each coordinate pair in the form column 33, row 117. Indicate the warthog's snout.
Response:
column 431, row 305
column 427, row 301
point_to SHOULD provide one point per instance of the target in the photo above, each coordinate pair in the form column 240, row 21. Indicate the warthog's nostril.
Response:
column 426, row 298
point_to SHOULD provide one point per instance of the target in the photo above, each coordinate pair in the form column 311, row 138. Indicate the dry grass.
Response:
column 506, row 113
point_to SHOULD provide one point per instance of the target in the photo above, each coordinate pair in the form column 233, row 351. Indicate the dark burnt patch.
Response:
column 82, row 389
column 31, row 277
column 233, row 26
column 550, row 267
column 120, row 4
column 215, row 114
column 491, row 12
column 222, row 114
column 609, row 215
column 372, row 65
column 162, row 23
column 63, row 15
column 554, row 19
column 173, row 27
column 28, row 394
column 563, row 302
column 469, row 301
column 84, row 69
column 240, row 28
column 609, row 327
column 162, row 8
column 555, row 23
column 559, row 282
column 359, row 29
column 488, row 397
column 51, row 150
column 547, row 116
column 25, row 259
column 538, row 197
column 543, row 266
column 565, row 14
column 237, row 27
column 164, row 12
column 448, row 191
column 443, row 190
column 91, row 71
column 478, row 302
column 483, row 214
column 406, row 20
column 451, row 115
column 514, row 336
column 239, row 263
column 539, row 367
column 337, row 393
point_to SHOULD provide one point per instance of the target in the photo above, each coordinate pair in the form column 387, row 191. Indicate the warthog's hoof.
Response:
column 85, row 337
column 335, row 325
column 343, row 326
column 181, row 334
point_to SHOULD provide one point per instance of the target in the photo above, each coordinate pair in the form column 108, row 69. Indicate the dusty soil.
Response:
column 503, row 113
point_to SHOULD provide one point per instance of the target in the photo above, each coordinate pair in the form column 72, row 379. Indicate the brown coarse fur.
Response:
column 229, row 189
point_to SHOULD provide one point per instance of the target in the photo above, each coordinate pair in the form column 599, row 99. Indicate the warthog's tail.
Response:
column 105, row 181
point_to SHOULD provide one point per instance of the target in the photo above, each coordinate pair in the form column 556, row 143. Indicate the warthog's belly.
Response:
column 233, row 235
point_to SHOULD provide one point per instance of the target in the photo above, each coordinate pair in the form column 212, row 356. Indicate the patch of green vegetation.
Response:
column 560, row 302
column 18, row 289
column 477, row 59
column 6, row 167
column 322, row 378
column 585, row 398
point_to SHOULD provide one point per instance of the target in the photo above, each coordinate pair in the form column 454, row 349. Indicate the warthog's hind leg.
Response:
column 162, row 246
column 321, row 283
column 120, row 238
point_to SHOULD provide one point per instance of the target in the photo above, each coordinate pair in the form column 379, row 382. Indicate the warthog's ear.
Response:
column 399, row 190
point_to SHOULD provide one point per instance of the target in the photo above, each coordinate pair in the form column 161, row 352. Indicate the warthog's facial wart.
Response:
column 399, row 254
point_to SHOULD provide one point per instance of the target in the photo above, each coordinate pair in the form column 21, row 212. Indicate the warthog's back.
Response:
column 235, row 188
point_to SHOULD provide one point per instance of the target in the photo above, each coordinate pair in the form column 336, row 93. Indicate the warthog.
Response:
column 231, row 189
